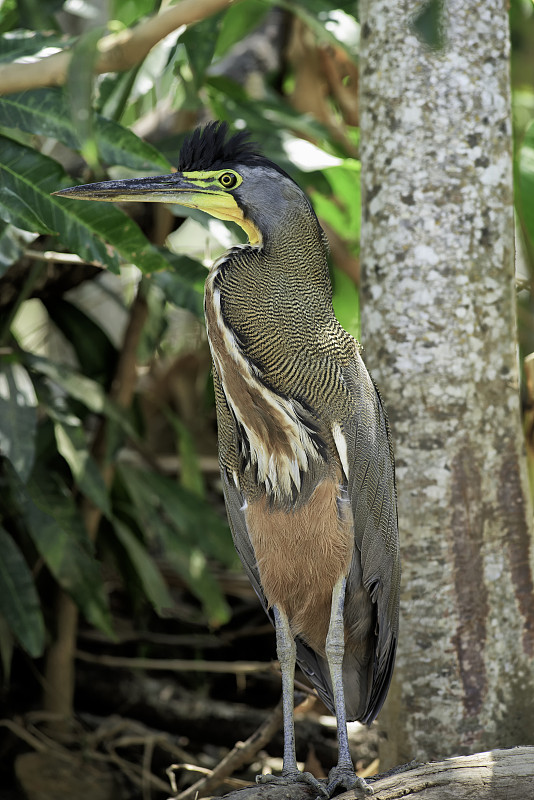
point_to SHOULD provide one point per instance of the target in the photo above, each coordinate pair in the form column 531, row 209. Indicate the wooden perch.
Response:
column 495, row 775
column 117, row 52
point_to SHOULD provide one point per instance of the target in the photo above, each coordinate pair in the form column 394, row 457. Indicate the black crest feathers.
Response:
column 210, row 148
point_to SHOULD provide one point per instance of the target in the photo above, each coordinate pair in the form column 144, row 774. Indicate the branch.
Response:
column 178, row 664
column 118, row 51
column 242, row 753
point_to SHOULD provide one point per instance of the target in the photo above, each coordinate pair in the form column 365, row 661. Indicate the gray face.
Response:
column 270, row 199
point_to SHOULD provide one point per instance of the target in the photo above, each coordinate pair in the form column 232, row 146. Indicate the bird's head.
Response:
column 223, row 176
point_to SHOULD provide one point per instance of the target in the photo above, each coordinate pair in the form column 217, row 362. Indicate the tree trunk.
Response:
column 439, row 332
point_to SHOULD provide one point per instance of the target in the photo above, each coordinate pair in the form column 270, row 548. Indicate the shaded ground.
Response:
column 169, row 692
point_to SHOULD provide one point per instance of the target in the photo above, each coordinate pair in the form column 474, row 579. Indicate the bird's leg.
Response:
column 286, row 651
column 343, row 774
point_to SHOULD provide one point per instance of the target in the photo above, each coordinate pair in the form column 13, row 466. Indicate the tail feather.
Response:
column 356, row 681
column 365, row 681
column 315, row 668
column 357, row 685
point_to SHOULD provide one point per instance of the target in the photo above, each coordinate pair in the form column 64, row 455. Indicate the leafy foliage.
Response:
column 19, row 602
column 80, row 473
column 63, row 434
column 95, row 232
column 46, row 112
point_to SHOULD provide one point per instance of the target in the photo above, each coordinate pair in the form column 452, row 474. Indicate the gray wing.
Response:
column 372, row 599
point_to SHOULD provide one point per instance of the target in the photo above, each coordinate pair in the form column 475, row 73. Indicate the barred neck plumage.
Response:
column 277, row 447
column 277, row 297
column 274, row 338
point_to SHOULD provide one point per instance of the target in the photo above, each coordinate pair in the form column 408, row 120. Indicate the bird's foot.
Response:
column 289, row 777
column 344, row 777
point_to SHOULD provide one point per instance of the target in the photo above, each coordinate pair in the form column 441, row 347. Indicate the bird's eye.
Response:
column 228, row 180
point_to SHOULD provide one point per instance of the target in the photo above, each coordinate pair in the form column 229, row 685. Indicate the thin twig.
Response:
column 148, row 752
column 136, row 773
column 117, row 52
column 242, row 753
column 179, row 664
column 59, row 258
column 35, row 742
column 205, row 641
column 130, row 733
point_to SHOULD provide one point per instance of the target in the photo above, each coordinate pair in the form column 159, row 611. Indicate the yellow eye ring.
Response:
column 228, row 180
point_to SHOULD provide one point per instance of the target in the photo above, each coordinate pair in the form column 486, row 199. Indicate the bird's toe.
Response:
column 345, row 778
column 287, row 778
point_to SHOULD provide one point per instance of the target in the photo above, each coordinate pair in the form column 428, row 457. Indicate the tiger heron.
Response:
column 304, row 446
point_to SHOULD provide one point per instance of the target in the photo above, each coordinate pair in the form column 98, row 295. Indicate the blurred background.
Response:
column 130, row 639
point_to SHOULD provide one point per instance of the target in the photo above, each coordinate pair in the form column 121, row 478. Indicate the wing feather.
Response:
column 372, row 492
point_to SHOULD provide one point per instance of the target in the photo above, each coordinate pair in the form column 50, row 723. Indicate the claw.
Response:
column 345, row 778
column 288, row 778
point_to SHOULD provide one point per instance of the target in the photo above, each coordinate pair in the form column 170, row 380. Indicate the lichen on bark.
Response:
column 438, row 330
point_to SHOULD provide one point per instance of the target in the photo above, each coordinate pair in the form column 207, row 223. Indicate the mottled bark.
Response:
column 496, row 775
column 438, row 328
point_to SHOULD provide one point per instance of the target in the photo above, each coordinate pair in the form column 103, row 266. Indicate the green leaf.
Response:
column 19, row 44
column 58, row 533
column 266, row 122
column 38, row 14
column 188, row 515
column 184, row 285
column 345, row 183
column 76, row 385
column 85, row 390
column 526, row 182
column 178, row 521
column 200, row 41
column 96, row 353
column 95, row 231
column 115, row 92
column 13, row 242
column 46, row 112
column 130, row 11
column 9, row 19
column 428, row 25
column 16, row 209
column 72, row 445
column 342, row 209
column 191, row 476
column 80, row 82
column 346, row 303
column 18, row 418
column 19, row 602
column 154, row 78
column 145, row 567
column 238, row 22
column 119, row 145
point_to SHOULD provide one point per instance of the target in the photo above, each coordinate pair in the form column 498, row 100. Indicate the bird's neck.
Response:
column 257, row 319
column 281, row 287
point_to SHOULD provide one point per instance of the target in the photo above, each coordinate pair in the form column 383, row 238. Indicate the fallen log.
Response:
column 494, row 775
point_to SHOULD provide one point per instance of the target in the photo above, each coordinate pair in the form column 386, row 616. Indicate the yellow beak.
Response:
column 174, row 188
